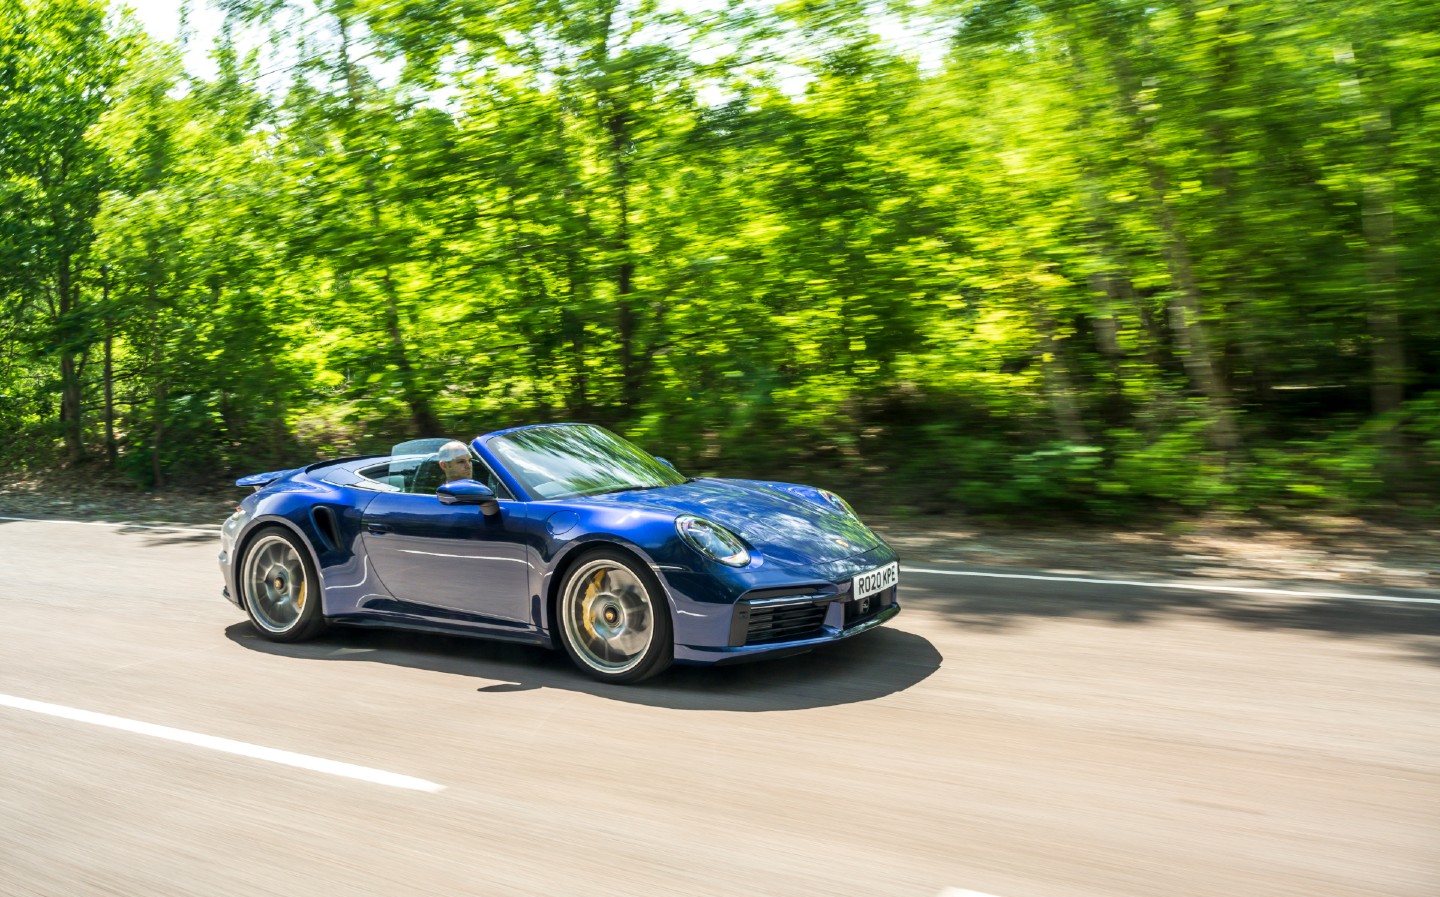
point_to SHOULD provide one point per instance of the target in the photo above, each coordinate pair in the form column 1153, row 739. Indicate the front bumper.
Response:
column 722, row 615
column 699, row 654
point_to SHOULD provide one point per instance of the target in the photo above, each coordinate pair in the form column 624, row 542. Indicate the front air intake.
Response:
column 766, row 616
column 784, row 623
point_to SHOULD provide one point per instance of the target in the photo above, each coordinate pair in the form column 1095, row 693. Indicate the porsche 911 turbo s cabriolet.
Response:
column 562, row 535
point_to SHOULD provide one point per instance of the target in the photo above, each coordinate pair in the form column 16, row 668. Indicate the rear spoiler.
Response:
column 261, row 480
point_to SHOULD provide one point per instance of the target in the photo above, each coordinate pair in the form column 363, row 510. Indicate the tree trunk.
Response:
column 1387, row 360
column 70, row 407
column 421, row 413
column 574, row 326
column 110, row 449
column 157, row 468
column 1188, row 324
column 1377, row 223
column 615, row 120
column 572, row 321
column 111, row 452
column 631, row 360
column 70, row 384
column 626, row 324
column 1238, row 299
column 1059, row 385
column 1110, row 285
column 1387, row 367
column 1185, row 305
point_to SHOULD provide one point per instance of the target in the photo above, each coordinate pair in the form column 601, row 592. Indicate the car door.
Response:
column 451, row 562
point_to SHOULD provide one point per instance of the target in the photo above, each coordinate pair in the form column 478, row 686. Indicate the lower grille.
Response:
column 784, row 623
column 775, row 624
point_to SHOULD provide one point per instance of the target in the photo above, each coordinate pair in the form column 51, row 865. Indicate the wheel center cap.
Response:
column 611, row 615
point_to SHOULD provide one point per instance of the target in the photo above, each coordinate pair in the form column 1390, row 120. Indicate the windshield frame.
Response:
column 521, row 453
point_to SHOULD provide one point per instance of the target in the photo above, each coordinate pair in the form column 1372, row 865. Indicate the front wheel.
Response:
column 279, row 587
column 614, row 620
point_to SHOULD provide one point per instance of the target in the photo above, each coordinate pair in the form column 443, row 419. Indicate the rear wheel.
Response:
column 614, row 619
column 279, row 587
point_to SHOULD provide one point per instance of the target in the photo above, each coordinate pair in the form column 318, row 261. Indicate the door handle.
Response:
column 376, row 529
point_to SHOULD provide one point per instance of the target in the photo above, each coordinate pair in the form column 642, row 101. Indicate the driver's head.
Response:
column 454, row 460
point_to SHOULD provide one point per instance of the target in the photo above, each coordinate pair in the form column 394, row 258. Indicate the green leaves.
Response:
column 1109, row 256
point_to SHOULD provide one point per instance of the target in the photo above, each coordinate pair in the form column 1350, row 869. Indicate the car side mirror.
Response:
column 666, row 462
column 469, row 492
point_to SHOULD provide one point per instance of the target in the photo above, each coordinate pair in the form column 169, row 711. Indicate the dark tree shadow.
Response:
column 869, row 666
column 998, row 604
column 156, row 537
column 155, row 534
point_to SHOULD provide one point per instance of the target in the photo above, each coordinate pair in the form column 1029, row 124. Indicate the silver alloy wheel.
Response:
column 274, row 582
column 608, row 617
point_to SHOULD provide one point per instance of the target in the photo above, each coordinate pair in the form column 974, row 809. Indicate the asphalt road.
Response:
column 1011, row 737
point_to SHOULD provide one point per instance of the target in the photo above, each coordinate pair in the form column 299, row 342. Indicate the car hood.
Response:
column 787, row 523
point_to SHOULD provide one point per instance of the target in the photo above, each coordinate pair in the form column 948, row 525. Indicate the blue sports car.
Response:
column 563, row 535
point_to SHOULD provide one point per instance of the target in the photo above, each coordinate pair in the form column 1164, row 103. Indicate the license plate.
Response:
column 867, row 584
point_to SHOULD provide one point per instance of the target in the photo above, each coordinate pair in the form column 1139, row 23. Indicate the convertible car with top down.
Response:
column 561, row 535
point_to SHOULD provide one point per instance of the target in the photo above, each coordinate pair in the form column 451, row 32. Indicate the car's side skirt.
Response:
column 529, row 637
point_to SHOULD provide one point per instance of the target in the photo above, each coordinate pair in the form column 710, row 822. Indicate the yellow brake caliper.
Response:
column 587, row 614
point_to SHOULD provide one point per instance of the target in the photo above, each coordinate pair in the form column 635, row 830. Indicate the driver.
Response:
column 454, row 460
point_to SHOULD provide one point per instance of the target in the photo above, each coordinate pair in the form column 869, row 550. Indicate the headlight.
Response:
column 839, row 502
column 712, row 540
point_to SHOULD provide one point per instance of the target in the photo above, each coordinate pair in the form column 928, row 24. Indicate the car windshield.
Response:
column 566, row 461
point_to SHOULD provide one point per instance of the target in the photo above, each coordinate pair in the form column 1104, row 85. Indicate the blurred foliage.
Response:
column 1091, row 258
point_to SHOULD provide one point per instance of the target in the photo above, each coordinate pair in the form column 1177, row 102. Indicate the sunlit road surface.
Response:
column 1010, row 737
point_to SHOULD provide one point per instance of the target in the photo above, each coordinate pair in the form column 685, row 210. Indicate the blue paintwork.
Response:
column 466, row 492
column 400, row 559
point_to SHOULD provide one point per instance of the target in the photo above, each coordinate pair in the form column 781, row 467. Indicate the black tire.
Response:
column 280, row 609
column 613, row 618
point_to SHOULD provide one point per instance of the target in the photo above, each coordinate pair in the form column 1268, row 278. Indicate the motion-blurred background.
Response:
column 1090, row 257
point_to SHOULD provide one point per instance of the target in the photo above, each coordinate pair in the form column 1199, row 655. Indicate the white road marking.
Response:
column 1188, row 586
column 961, row 892
column 224, row 745
column 160, row 526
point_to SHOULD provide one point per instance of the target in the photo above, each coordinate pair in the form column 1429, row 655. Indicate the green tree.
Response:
column 60, row 64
